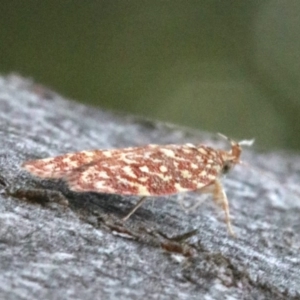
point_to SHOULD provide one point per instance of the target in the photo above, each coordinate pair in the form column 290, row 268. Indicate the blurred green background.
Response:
column 221, row 66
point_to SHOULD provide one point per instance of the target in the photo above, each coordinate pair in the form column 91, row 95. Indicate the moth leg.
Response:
column 140, row 202
column 220, row 198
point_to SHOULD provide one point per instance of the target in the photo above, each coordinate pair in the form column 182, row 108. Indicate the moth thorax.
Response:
column 235, row 153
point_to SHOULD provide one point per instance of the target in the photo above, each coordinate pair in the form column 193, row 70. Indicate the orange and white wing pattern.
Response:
column 60, row 166
column 152, row 170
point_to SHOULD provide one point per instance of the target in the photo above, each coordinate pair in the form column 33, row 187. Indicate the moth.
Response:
column 151, row 170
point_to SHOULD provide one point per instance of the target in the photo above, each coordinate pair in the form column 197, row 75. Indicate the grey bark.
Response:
column 84, row 251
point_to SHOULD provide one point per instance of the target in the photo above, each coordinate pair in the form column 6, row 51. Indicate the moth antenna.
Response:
column 223, row 136
column 240, row 143
column 246, row 142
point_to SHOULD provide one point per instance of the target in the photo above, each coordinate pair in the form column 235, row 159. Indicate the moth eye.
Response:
column 226, row 168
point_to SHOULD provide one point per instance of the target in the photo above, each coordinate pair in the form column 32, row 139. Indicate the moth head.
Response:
column 233, row 156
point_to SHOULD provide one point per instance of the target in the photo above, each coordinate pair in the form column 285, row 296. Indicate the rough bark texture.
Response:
column 85, row 252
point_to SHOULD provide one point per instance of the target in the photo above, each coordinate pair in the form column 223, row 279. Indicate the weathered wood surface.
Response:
column 85, row 252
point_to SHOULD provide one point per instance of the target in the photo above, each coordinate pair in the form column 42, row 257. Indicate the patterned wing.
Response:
column 150, row 170
column 60, row 166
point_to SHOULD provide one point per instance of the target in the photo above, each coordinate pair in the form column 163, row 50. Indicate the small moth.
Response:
column 151, row 170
